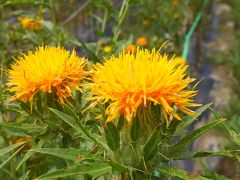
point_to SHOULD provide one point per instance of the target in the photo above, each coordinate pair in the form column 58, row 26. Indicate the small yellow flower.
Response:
column 107, row 48
column 175, row 15
column 47, row 69
column 29, row 23
column 133, row 80
column 142, row 41
column 131, row 48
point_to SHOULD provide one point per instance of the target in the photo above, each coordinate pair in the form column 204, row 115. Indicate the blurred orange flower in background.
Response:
column 131, row 48
column 29, row 23
column 142, row 41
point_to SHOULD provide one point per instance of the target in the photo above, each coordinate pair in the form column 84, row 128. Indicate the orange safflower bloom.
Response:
column 29, row 23
column 131, row 48
column 142, row 41
column 47, row 69
column 133, row 80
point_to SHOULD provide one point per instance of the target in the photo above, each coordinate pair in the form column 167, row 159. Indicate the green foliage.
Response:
column 112, row 136
column 151, row 147
column 92, row 169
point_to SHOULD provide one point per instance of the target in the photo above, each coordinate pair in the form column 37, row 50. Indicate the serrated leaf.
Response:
column 5, row 162
column 77, row 126
column 22, row 126
column 118, row 167
column 8, row 149
column 235, row 137
column 135, row 129
column 179, row 173
column 93, row 169
column 182, row 143
column 186, row 121
column 67, row 153
column 71, row 112
column 150, row 148
column 30, row 153
column 112, row 136
column 69, row 120
column 226, row 153
column 25, row 176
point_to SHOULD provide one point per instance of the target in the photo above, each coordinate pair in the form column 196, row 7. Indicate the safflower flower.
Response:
column 132, row 80
column 142, row 41
column 47, row 69
column 29, row 23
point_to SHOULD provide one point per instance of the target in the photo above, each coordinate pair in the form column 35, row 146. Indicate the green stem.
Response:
column 104, row 21
column 51, row 2
column 121, row 16
column 54, row 21
column 192, row 29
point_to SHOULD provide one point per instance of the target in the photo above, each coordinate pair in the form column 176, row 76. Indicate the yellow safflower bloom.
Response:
column 142, row 41
column 29, row 23
column 107, row 48
column 133, row 80
column 47, row 69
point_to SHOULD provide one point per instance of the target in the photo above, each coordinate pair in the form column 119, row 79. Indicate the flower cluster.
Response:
column 126, row 82
column 140, row 41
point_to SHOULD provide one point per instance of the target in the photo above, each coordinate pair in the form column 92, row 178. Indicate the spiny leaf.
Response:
column 72, row 121
column 8, row 149
column 186, row 121
column 150, row 148
column 179, row 173
column 226, row 153
column 118, row 167
column 67, row 153
column 69, row 120
column 135, row 129
column 94, row 169
column 181, row 144
column 10, row 158
column 112, row 136
column 22, row 126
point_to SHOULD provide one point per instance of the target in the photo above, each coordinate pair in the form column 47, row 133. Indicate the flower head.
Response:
column 29, row 23
column 107, row 48
column 142, row 41
column 133, row 80
column 131, row 48
column 47, row 69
